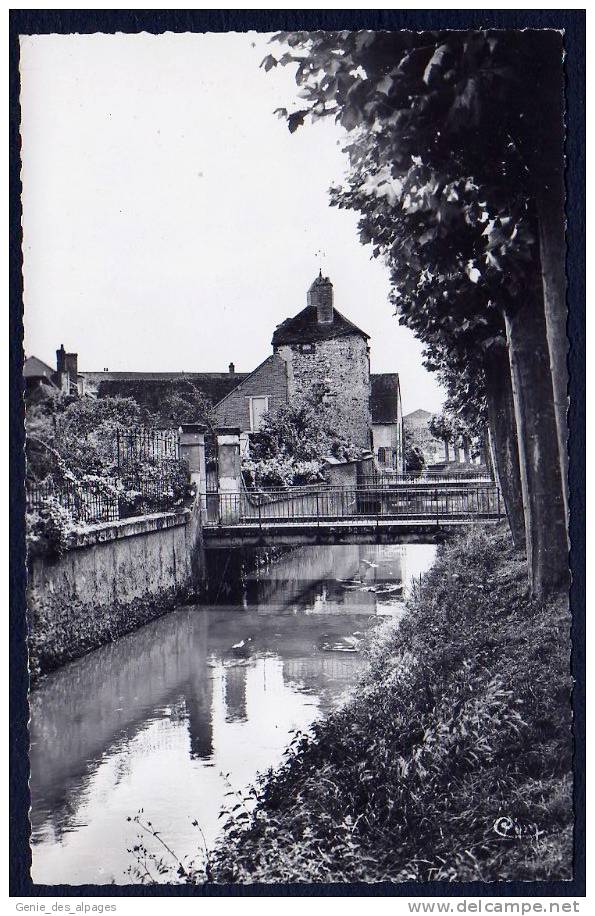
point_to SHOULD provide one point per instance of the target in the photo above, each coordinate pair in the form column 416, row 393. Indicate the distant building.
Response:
column 416, row 425
column 41, row 380
column 318, row 348
column 387, row 420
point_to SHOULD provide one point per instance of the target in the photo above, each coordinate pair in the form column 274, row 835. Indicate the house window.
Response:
column 307, row 348
column 258, row 407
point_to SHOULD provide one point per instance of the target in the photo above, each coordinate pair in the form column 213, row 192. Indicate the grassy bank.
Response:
column 452, row 761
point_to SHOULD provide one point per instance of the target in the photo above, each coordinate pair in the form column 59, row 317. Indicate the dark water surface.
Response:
column 154, row 720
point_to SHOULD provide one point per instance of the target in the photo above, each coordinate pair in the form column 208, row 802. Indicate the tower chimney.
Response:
column 232, row 368
column 61, row 359
column 66, row 368
column 320, row 295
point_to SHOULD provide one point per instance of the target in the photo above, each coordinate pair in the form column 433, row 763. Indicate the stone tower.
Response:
column 321, row 347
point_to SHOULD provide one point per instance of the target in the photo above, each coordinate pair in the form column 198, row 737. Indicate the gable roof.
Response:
column 213, row 385
column 305, row 328
column 274, row 357
column 385, row 397
column 36, row 368
column 418, row 414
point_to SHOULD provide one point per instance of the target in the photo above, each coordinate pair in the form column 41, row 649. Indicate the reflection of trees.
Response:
column 199, row 702
column 101, row 702
column 322, row 675
column 299, row 576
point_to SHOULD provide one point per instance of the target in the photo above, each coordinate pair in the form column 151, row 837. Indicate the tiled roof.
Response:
column 418, row 414
column 146, row 386
column 305, row 328
column 384, row 397
column 36, row 368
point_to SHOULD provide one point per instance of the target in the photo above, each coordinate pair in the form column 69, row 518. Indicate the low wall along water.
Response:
column 117, row 576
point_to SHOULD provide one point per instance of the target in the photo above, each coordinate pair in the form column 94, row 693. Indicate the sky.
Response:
column 171, row 221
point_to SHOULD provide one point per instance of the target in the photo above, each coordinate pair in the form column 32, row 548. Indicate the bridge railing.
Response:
column 455, row 478
column 359, row 503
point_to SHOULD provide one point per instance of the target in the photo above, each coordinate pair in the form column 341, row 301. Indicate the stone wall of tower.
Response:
column 342, row 365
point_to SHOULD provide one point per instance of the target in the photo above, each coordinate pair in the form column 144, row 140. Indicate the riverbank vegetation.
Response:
column 452, row 761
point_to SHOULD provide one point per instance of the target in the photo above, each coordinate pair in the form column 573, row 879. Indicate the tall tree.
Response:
column 441, row 293
column 457, row 104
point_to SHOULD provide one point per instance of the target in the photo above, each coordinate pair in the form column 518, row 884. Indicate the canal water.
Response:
column 156, row 719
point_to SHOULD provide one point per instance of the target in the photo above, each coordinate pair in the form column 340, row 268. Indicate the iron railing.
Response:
column 327, row 504
column 149, row 476
column 145, row 444
column 87, row 502
column 91, row 502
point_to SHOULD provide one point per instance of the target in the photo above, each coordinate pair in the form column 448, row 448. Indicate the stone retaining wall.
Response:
column 117, row 576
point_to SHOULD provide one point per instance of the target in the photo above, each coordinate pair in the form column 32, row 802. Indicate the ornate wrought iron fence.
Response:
column 87, row 502
column 150, row 476
column 142, row 444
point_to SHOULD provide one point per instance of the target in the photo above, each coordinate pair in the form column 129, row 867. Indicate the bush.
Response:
column 74, row 473
column 414, row 457
column 292, row 444
column 280, row 471
column 50, row 529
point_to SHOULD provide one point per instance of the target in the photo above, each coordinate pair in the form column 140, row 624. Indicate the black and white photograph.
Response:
column 294, row 346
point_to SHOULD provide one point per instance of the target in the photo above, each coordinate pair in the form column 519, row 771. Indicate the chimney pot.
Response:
column 320, row 295
column 232, row 368
column 60, row 355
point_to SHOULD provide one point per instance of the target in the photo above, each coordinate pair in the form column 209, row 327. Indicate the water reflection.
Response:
column 154, row 720
column 333, row 580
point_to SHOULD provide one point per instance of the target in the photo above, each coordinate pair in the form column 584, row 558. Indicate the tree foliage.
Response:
column 293, row 442
column 413, row 455
column 181, row 402
column 72, row 437
column 437, row 174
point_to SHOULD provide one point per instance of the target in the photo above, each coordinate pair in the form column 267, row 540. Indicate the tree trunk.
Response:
column 552, row 249
column 486, row 454
column 457, row 452
column 543, row 501
column 543, row 148
column 503, row 432
column 446, row 452
column 466, row 451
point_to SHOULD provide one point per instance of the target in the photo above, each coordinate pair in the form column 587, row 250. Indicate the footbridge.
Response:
column 323, row 514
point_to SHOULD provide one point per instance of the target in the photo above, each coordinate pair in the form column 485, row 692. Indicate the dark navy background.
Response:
column 34, row 22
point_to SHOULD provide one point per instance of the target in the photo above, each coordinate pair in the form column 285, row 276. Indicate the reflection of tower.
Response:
column 199, row 697
column 199, row 693
column 235, row 693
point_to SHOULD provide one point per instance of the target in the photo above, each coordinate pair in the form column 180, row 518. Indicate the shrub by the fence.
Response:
column 58, row 508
